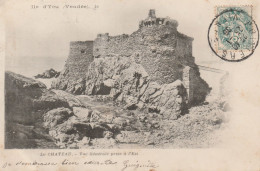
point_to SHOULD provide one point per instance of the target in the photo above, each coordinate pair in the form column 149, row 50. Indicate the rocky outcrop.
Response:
column 20, row 95
column 128, row 84
column 22, row 113
column 37, row 117
column 41, row 118
column 26, row 104
column 51, row 73
column 56, row 116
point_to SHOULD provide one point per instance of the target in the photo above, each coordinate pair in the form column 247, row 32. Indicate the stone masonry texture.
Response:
column 152, row 68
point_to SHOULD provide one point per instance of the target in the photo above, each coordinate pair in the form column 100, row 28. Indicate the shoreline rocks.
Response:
column 51, row 73
column 41, row 118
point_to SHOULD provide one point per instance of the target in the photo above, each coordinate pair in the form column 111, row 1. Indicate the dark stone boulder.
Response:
column 56, row 116
column 20, row 93
column 51, row 73
column 26, row 101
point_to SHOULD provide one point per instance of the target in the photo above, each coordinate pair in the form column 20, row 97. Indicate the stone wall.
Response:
column 157, row 46
column 184, row 45
column 158, row 49
column 196, row 87
column 72, row 78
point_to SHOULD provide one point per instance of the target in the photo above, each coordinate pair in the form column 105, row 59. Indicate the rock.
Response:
column 20, row 93
column 133, row 88
column 120, row 121
column 226, row 107
column 128, row 137
column 83, row 114
column 65, row 140
column 103, row 142
column 113, row 127
column 131, row 103
column 95, row 116
column 48, row 74
column 142, row 118
column 155, row 124
column 107, row 134
column 29, row 103
column 85, row 142
column 56, row 116
column 104, row 117
column 69, row 98
column 66, row 127
column 18, row 136
column 89, row 121
column 97, row 131
column 16, row 82
column 109, row 83
column 50, row 100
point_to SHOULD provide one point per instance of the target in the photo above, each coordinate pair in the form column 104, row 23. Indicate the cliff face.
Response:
column 128, row 84
column 153, row 68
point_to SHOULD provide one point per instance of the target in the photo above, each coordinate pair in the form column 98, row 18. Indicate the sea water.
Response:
column 30, row 66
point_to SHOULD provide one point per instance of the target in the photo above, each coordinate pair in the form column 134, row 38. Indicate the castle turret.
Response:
column 151, row 13
column 152, row 20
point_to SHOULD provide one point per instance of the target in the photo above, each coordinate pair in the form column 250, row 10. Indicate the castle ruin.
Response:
column 157, row 46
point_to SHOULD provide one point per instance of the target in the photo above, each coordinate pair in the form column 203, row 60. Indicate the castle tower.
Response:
column 72, row 77
column 163, row 52
column 151, row 13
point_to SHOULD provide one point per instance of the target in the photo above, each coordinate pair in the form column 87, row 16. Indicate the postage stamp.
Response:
column 233, row 34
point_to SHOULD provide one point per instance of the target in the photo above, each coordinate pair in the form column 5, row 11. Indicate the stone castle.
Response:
column 163, row 54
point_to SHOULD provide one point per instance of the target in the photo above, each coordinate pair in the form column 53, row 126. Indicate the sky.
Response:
column 47, row 32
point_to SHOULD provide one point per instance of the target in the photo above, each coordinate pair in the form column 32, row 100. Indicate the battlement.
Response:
column 103, row 36
column 144, row 43
column 152, row 20
column 80, row 43
column 151, row 13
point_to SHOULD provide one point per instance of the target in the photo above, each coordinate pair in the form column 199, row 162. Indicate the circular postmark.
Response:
column 233, row 35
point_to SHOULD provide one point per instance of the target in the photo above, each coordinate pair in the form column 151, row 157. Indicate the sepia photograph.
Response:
column 138, row 75
column 142, row 90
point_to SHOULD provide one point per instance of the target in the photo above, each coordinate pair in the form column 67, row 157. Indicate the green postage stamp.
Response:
column 233, row 34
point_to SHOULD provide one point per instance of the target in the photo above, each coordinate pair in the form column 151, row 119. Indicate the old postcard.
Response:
column 130, row 85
